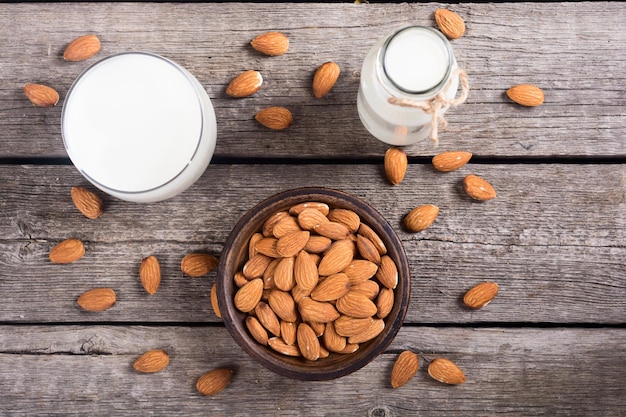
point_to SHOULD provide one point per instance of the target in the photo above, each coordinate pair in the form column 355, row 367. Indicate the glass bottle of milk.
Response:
column 408, row 80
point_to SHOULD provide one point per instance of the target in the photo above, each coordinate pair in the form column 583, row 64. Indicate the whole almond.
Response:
column 275, row 118
column 266, row 246
column 252, row 250
column 478, row 188
column 308, row 343
column 526, row 95
column 368, row 232
column 214, row 381
column 288, row 330
column 451, row 160
column 317, row 244
column 450, row 23
column 332, row 230
column 283, row 305
column 97, row 299
column 356, row 305
column 87, row 202
column 331, row 288
column 82, row 48
column 404, row 368
column 256, row 265
column 350, row 348
column 421, row 217
column 349, row 326
column 396, row 163
column 325, row 78
column 384, row 302
column 305, row 271
column 360, row 270
column 67, row 251
column 333, row 341
column 375, row 328
column 271, row 43
column 284, row 274
column 41, row 95
column 347, row 217
column 480, row 295
column 387, row 273
column 198, row 264
column 311, row 310
column 279, row 345
column 214, row 304
column 293, row 243
column 152, row 361
column 285, row 225
column 245, row 84
column 257, row 331
column 150, row 274
column 268, row 318
column 367, row 249
column 446, row 371
column 369, row 288
column 309, row 218
column 337, row 257
column 248, row 296
column 268, row 225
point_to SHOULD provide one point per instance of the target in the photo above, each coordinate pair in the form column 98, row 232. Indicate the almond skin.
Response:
column 450, row 161
column 214, row 381
column 450, row 23
column 325, row 78
column 41, row 95
column 87, row 202
column 404, row 368
column 478, row 188
column 271, row 43
column 81, row 48
column 198, row 264
column 245, row 84
column 526, row 95
column 150, row 274
column 275, row 118
column 396, row 163
column 97, row 299
column 152, row 361
column 420, row 218
column 67, row 251
column 480, row 295
column 446, row 371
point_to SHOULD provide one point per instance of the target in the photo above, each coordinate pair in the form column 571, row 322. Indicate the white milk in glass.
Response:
column 139, row 127
column 413, row 63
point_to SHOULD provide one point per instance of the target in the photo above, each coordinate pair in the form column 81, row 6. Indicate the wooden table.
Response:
column 553, row 342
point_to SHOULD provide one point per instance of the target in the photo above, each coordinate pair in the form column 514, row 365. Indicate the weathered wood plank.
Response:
column 575, row 59
column 78, row 370
column 553, row 239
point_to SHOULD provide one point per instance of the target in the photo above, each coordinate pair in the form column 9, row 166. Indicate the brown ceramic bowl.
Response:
column 235, row 254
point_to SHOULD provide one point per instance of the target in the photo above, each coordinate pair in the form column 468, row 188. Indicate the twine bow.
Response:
column 435, row 104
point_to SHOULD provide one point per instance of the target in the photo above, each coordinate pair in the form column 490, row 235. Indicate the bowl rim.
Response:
column 235, row 249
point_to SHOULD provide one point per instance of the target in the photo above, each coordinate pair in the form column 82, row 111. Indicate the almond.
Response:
column 368, row 288
column 214, row 304
column 150, row 274
column 284, row 226
column 82, row 48
column 268, row 318
column 214, row 381
column 321, row 207
column 356, row 305
column 256, row 265
column 248, row 296
column 256, row 237
column 312, row 310
column 446, row 371
column 396, row 163
column 288, row 330
column 325, row 78
column 309, row 218
column 87, row 202
column 317, row 327
column 526, row 95
column 333, row 341
column 198, row 264
column 480, row 295
column 305, row 271
column 67, row 251
column 240, row 279
column 271, row 43
column 97, row 299
column 349, row 326
column 292, row 243
column 283, row 275
column 280, row 346
column 257, row 331
column 360, row 270
column 346, row 217
column 308, row 343
column 450, row 23
column 384, row 302
column 268, row 225
column 266, row 246
column 375, row 328
column 275, row 118
column 41, row 95
column 387, row 273
column 245, row 84
column 283, row 305
column 367, row 249
column 421, row 217
column 478, row 188
column 317, row 244
column 350, row 348
column 331, row 288
column 336, row 258
column 332, row 230
column 298, row 293
column 451, row 160
column 368, row 232
column 152, row 361
column 404, row 368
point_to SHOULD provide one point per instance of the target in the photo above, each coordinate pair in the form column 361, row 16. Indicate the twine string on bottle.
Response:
column 435, row 104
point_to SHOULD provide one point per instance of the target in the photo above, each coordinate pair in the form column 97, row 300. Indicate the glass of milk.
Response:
column 414, row 63
column 139, row 126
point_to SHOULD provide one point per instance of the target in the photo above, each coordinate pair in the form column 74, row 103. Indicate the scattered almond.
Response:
column 404, row 368
column 446, row 371
column 97, row 299
column 271, row 43
column 396, row 163
column 67, row 251
column 451, row 160
column 214, row 304
column 480, row 295
column 526, row 95
column 421, row 217
column 41, row 95
column 214, row 381
column 478, row 188
column 198, row 264
column 152, row 361
column 87, row 202
column 325, row 78
column 245, row 84
column 150, row 274
column 81, row 48
column 275, row 118
column 450, row 23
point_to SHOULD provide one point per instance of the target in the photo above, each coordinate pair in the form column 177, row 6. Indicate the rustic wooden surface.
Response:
column 552, row 342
